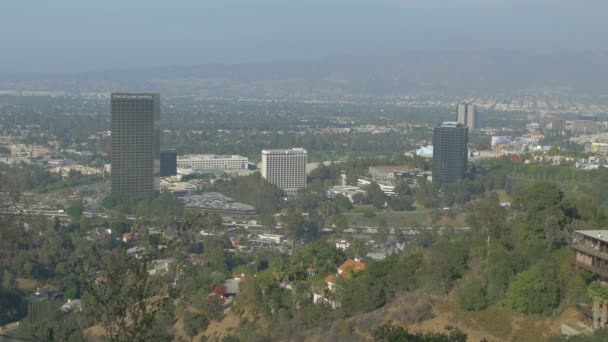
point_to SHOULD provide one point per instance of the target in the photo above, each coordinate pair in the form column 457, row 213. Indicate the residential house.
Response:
column 591, row 248
column 350, row 267
column 346, row 271
column 161, row 266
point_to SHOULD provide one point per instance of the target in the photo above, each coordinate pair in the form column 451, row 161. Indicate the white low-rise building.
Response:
column 204, row 162
column 389, row 190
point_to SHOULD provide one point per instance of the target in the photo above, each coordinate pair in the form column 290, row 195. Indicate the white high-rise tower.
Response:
column 285, row 168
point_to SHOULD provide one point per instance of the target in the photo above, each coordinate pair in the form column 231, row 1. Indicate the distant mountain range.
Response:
column 437, row 73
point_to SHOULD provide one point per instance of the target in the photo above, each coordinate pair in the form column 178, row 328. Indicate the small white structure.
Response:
column 271, row 237
column 343, row 245
column 72, row 305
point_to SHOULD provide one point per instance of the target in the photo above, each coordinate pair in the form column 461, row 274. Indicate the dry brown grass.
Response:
column 226, row 326
column 418, row 312
column 28, row 284
column 495, row 320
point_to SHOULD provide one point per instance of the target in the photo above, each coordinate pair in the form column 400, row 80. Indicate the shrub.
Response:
column 472, row 297
column 194, row 323
column 369, row 212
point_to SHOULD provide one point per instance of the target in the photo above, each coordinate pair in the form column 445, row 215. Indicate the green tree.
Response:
column 265, row 281
column 426, row 195
column 358, row 247
column 359, row 198
column 501, row 267
column 342, row 203
column 368, row 212
column 194, row 323
column 402, row 189
column 375, row 195
column 209, row 309
column 267, row 219
column 295, row 225
column 253, row 190
column 12, row 306
column 488, row 217
column 472, row 297
column 535, row 290
column 402, row 203
column 542, row 215
column 250, row 297
column 586, row 206
column 75, row 209
column 214, row 221
column 120, row 226
column 322, row 171
column 381, row 235
column 125, row 299
column 362, row 293
column 85, row 223
column 443, row 264
column 340, row 222
column 400, row 235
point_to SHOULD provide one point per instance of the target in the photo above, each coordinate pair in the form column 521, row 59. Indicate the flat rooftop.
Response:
column 387, row 168
column 147, row 96
column 285, row 150
column 209, row 156
column 601, row 235
column 450, row 124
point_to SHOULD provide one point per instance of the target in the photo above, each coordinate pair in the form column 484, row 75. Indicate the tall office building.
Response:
column 135, row 143
column 585, row 127
column 556, row 124
column 449, row 152
column 467, row 115
column 462, row 113
column 168, row 162
column 285, row 168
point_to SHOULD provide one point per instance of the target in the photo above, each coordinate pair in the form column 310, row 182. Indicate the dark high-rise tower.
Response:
column 135, row 143
column 449, row 152
column 168, row 163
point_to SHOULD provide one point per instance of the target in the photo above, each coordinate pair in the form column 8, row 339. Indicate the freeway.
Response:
column 255, row 228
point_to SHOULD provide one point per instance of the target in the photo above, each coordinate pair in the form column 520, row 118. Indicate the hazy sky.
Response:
column 78, row 35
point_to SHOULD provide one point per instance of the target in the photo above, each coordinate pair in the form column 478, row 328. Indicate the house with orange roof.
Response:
column 331, row 282
column 351, row 267
column 346, row 271
column 331, row 279
column 129, row 237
